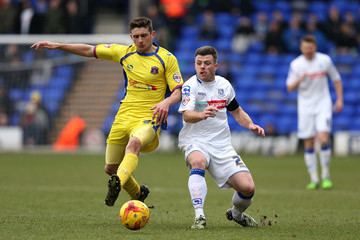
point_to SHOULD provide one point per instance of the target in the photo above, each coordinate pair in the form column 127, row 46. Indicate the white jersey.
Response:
column 196, row 96
column 313, row 92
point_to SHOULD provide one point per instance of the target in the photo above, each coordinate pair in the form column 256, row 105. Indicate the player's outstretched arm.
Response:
column 80, row 49
column 244, row 120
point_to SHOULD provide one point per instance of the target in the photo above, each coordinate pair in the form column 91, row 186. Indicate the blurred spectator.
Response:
column 244, row 35
column 72, row 18
column 159, row 25
column 346, row 41
column 35, row 121
column 293, row 34
column 332, row 23
column 5, row 106
column 261, row 25
column 271, row 130
column 18, row 78
column 349, row 19
column 7, row 17
column 54, row 18
column 274, row 43
column 25, row 16
column 208, row 28
column 175, row 11
column 312, row 29
column 278, row 16
column 38, row 20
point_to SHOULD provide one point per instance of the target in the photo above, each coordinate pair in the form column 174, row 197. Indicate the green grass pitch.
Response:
column 60, row 196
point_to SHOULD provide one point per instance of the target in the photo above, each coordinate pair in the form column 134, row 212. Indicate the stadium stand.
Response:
column 258, row 75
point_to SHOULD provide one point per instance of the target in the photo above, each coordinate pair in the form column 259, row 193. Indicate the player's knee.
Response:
column 197, row 163
column 134, row 145
column 248, row 191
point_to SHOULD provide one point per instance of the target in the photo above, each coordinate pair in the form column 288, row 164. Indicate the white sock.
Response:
column 311, row 164
column 325, row 154
column 240, row 204
column 198, row 190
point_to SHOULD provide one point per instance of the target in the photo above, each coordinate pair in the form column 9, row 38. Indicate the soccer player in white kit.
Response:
column 206, row 141
column 309, row 75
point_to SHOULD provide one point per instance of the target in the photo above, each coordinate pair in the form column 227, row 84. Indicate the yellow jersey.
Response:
column 147, row 77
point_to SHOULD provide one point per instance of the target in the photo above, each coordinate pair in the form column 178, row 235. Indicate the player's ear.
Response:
column 153, row 34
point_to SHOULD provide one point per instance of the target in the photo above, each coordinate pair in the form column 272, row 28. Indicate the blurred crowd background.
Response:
column 256, row 42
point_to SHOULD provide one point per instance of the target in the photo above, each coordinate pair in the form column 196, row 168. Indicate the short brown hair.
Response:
column 207, row 50
column 309, row 39
column 141, row 22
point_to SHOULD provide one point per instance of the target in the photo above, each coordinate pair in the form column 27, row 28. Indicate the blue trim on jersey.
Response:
column 309, row 150
column 197, row 171
column 160, row 59
column 325, row 147
column 151, row 53
column 126, row 56
column 125, row 85
column 243, row 196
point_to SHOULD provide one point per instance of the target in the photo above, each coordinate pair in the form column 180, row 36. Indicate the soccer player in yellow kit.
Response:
column 149, row 70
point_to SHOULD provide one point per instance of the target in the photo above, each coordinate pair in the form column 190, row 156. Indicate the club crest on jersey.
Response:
column 177, row 77
column 154, row 70
column 221, row 92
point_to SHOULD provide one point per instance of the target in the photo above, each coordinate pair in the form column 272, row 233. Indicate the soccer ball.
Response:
column 134, row 214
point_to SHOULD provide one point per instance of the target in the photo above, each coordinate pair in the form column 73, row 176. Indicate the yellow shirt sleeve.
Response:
column 112, row 52
column 172, row 74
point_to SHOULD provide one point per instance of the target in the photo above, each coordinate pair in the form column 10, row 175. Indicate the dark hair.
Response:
column 141, row 22
column 207, row 50
column 309, row 39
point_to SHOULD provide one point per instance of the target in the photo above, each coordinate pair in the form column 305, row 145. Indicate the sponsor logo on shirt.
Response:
column 140, row 85
column 130, row 67
column 177, row 77
column 202, row 94
column 316, row 75
column 154, row 70
column 219, row 104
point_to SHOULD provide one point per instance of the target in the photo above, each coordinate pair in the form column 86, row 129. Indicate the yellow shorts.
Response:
column 145, row 130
